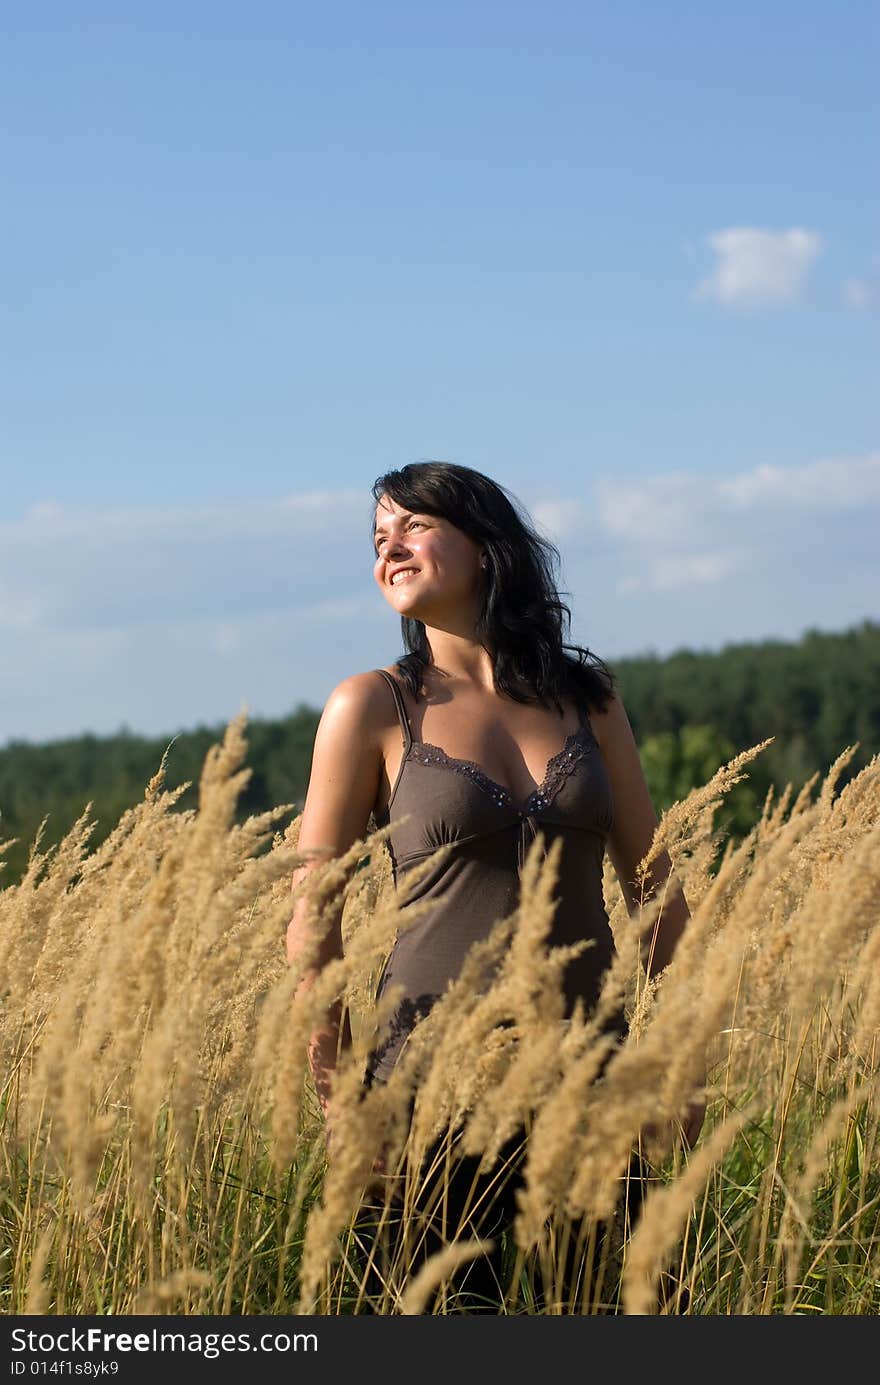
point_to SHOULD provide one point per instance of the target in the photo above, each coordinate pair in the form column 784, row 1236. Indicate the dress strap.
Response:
column 586, row 724
column 401, row 710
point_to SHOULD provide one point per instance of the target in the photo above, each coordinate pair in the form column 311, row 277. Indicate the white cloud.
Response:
column 242, row 519
column 173, row 616
column 685, row 571
column 674, row 506
column 348, row 609
column 836, row 483
column 629, row 584
column 758, row 268
column 684, row 530
column 857, row 293
column 659, row 508
column 862, row 292
column 19, row 608
column 226, row 638
column 237, row 637
column 691, row 570
column 62, row 568
column 45, row 510
column 558, row 518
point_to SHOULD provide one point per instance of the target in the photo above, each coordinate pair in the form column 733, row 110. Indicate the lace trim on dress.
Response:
column 577, row 745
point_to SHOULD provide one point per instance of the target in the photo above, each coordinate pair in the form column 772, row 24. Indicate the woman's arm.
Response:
column 347, row 761
column 632, row 832
column 629, row 842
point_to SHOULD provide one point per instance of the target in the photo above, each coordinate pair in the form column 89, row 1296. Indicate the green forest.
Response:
column 690, row 712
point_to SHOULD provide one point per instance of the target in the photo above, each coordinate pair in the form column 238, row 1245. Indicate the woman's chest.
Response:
column 437, row 799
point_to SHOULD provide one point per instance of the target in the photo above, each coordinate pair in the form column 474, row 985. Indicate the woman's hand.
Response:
column 693, row 1121
column 378, row 1174
column 333, row 1139
column 688, row 1126
column 695, row 1111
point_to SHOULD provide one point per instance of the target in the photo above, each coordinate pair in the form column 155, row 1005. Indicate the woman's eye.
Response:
column 420, row 522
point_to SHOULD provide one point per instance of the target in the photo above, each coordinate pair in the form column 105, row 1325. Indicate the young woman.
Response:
column 485, row 733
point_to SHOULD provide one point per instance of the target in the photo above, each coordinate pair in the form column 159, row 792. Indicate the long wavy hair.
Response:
column 521, row 618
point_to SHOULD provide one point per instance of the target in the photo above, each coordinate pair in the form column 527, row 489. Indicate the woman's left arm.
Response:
column 629, row 841
column 632, row 832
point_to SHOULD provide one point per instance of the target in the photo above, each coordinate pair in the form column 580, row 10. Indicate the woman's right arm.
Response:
column 347, row 761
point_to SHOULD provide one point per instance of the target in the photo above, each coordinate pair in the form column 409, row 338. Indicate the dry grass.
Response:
column 161, row 1147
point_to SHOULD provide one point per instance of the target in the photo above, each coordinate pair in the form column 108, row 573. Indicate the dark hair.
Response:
column 521, row 616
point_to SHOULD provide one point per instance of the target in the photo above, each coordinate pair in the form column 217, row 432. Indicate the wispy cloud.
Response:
column 756, row 268
column 665, row 508
column 63, row 567
column 558, row 518
column 170, row 617
column 685, row 570
column 696, row 569
column 722, row 526
column 862, row 291
column 19, row 608
column 858, row 293
column 285, row 515
column 834, row 483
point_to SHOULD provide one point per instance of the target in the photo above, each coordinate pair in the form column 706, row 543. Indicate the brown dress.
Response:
column 447, row 800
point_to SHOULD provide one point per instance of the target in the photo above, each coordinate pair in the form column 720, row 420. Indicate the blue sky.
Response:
column 622, row 257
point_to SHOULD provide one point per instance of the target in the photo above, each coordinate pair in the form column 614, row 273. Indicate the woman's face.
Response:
column 445, row 561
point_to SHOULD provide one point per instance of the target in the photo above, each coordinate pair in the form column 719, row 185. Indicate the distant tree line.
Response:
column 690, row 713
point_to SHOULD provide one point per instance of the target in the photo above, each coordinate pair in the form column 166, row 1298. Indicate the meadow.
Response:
column 162, row 1149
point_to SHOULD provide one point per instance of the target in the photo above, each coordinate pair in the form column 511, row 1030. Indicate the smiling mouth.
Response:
column 399, row 581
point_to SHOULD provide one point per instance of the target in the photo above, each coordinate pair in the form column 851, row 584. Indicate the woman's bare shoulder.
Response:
column 361, row 704
column 611, row 722
column 348, row 758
